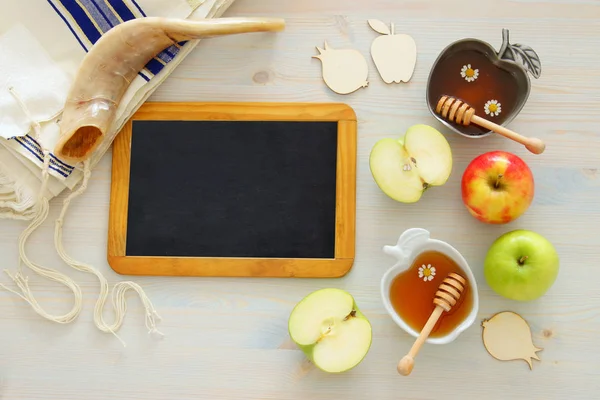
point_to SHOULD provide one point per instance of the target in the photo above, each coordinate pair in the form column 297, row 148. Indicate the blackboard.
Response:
column 234, row 189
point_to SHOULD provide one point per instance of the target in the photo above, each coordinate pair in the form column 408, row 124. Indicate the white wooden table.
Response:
column 228, row 339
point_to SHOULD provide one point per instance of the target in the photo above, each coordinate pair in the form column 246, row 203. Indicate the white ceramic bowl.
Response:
column 410, row 244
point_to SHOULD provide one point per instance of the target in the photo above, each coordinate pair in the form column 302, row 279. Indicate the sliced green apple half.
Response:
column 404, row 168
column 330, row 329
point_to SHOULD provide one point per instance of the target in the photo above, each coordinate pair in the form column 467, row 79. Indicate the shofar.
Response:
column 113, row 62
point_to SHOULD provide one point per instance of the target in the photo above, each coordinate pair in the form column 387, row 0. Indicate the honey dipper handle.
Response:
column 534, row 145
column 405, row 365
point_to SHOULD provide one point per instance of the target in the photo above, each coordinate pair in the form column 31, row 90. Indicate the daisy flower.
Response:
column 426, row 272
column 492, row 108
column 469, row 73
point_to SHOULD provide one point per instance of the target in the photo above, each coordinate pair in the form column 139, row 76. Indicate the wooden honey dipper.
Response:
column 460, row 112
column 445, row 298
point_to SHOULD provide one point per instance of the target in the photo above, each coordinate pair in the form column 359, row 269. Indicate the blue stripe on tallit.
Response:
column 35, row 145
column 83, row 21
column 32, row 146
column 68, row 25
column 107, row 12
column 139, row 8
column 171, row 51
column 94, row 17
column 165, row 56
column 52, row 163
column 154, row 66
column 97, row 15
column 122, row 9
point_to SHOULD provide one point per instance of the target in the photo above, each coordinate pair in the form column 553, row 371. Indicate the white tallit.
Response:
column 42, row 43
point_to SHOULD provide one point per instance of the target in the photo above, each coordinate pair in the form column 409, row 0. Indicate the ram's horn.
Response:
column 113, row 62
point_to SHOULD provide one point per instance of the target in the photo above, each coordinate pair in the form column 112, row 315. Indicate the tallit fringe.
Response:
column 40, row 213
column 16, row 201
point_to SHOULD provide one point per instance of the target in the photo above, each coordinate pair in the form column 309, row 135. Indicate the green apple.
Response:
column 404, row 168
column 521, row 265
column 330, row 329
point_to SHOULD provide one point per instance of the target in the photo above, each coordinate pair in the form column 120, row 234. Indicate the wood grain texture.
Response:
column 227, row 338
column 345, row 200
column 119, row 194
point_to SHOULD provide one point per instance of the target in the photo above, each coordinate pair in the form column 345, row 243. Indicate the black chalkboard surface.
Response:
column 234, row 189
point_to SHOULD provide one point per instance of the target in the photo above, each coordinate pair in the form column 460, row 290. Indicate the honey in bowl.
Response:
column 495, row 84
column 413, row 290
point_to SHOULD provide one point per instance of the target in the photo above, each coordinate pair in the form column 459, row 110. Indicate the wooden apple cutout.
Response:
column 344, row 71
column 394, row 55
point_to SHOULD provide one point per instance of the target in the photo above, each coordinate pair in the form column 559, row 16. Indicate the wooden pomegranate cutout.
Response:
column 344, row 71
column 394, row 55
column 507, row 336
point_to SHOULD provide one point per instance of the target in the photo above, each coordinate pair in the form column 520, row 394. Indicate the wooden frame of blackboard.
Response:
column 345, row 220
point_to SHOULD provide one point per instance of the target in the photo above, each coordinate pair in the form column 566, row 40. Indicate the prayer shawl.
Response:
column 42, row 43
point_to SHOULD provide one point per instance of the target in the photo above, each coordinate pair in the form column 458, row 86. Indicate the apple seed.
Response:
column 329, row 324
column 407, row 166
column 326, row 328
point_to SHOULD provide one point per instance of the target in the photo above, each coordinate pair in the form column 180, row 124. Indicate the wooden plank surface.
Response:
column 227, row 338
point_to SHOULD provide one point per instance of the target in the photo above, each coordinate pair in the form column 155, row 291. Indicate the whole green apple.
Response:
column 521, row 265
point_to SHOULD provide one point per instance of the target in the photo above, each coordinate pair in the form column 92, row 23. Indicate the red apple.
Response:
column 497, row 187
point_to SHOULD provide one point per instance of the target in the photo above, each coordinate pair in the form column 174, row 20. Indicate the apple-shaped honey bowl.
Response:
column 496, row 84
column 408, row 288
